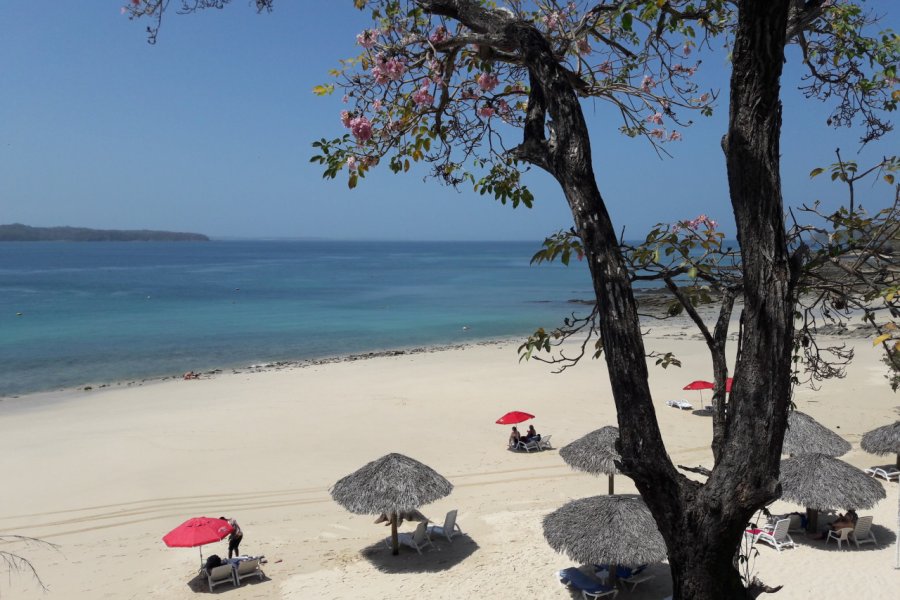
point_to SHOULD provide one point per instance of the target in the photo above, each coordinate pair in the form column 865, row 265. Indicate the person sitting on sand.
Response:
column 532, row 434
column 191, row 375
column 514, row 438
column 848, row 519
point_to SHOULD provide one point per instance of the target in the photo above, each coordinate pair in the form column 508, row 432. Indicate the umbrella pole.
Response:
column 812, row 520
column 395, row 542
column 611, row 492
column 200, row 548
column 611, row 582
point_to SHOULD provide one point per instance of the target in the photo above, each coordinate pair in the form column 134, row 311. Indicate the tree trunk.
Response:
column 702, row 524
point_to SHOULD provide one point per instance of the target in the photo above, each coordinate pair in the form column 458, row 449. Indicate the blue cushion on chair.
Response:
column 574, row 577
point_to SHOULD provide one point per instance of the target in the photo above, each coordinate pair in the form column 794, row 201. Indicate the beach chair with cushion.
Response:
column 795, row 525
column 248, row 568
column 841, row 535
column 681, row 404
column 778, row 537
column 417, row 540
column 624, row 575
column 589, row 588
column 529, row 445
column 888, row 473
column 862, row 533
column 544, row 442
column 449, row 529
column 219, row 575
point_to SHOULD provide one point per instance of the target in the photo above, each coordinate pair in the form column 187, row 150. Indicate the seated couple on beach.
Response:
column 515, row 438
column 848, row 519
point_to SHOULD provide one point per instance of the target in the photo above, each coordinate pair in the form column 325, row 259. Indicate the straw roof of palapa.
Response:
column 804, row 435
column 606, row 530
column 593, row 453
column 884, row 440
column 821, row 482
column 393, row 483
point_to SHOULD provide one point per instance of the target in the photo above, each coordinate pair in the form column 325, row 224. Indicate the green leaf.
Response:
column 626, row 21
column 815, row 172
column 323, row 90
column 351, row 183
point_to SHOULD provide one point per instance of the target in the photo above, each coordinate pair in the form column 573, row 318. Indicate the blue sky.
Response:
column 210, row 131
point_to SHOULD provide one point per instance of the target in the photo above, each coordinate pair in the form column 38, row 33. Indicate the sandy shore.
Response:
column 105, row 473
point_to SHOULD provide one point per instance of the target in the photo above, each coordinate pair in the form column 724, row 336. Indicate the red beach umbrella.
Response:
column 197, row 532
column 699, row 385
column 516, row 416
column 728, row 385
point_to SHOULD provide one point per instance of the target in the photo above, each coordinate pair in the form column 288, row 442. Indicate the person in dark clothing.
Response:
column 234, row 539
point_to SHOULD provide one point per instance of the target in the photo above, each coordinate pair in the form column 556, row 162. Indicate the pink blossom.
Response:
column 376, row 105
column 583, row 47
column 674, row 137
column 647, row 83
column 367, row 38
column 686, row 49
column 605, row 67
column 345, row 99
column 439, row 35
column 388, row 69
column 422, row 97
column 361, row 128
column 704, row 97
column 699, row 222
column 436, row 68
column 486, row 111
column 351, row 162
column 658, row 133
column 346, row 118
column 487, row 81
column 655, row 118
column 552, row 19
column 502, row 107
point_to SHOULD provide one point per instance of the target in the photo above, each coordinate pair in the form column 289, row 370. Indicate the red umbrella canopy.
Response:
column 699, row 385
column 728, row 384
column 197, row 532
column 511, row 418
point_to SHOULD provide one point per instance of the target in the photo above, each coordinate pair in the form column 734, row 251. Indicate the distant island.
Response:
column 24, row 233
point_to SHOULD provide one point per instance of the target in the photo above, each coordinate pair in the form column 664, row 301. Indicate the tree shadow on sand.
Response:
column 444, row 555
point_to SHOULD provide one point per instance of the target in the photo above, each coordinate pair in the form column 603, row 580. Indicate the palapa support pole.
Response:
column 611, row 476
column 395, row 542
column 812, row 520
column 611, row 582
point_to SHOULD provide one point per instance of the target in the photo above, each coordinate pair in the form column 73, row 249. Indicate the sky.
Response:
column 210, row 131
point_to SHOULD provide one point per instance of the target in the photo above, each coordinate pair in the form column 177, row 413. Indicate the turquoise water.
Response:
column 104, row 312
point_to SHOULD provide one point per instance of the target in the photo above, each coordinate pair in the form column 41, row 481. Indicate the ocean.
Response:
column 74, row 314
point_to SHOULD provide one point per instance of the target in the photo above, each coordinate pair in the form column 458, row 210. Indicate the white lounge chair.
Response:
column 529, row 445
column 544, row 442
column 449, row 529
column 778, row 537
column 246, row 569
column 682, row 404
column 219, row 575
column 862, row 533
column 888, row 473
column 841, row 535
column 417, row 540
column 795, row 526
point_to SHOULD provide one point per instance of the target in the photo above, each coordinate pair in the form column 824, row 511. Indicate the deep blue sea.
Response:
column 105, row 312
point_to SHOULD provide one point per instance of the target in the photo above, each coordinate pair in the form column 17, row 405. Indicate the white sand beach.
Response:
column 105, row 474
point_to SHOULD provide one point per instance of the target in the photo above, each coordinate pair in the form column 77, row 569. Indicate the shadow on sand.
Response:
column 200, row 585
column 885, row 537
column 442, row 556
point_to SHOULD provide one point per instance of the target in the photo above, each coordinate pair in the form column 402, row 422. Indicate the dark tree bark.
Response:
column 701, row 523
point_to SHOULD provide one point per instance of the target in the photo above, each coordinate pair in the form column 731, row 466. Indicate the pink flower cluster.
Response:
column 367, row 38
column 439, row 35
column 647, row 83
column 422, row 97
column 679, row 68
column 388, row 69
column 360, row 126
column 488, row 81
column 660, row 134
column 655, row 118
column 486, row 112
column 436, row 69
column 699, row 222
column 354, row 162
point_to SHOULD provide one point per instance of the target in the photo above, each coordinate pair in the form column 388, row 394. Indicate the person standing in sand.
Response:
column 234, row 538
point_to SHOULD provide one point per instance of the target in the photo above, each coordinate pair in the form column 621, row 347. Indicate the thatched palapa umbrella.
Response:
column 610, row 530
column 884, row 440
column 819, row 482
column 805, row 435
column 594, row 453
column 393, row 484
